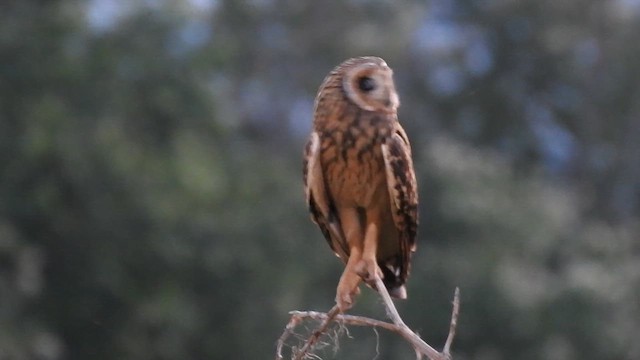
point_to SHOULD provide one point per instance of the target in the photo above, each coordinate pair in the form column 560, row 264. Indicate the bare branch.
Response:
column 404, row 330
column 392, row 312
column 319, row 332
column 345, row 319
column 398, row 326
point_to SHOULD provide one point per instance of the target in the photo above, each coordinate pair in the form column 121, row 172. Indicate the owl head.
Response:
column 366, row 82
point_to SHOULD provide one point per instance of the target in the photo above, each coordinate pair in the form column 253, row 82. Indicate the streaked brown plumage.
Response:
column 359, row 180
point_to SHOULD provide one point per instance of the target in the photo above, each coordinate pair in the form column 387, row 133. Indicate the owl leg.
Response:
column 368, row 268
column 350, row 280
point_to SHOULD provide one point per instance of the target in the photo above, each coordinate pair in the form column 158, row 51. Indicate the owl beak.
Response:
column 391, row 102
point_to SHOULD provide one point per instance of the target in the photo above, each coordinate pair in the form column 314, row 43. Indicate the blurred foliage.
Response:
column 150, row 187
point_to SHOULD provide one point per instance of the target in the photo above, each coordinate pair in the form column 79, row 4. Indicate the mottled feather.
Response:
column 359, row 181
column 321, row 208
column 403, row 191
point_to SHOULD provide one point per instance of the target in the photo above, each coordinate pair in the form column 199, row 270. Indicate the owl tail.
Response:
column 399, row 292
column 393, row 283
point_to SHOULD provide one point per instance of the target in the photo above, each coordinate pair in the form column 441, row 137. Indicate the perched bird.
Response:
column 359, row 181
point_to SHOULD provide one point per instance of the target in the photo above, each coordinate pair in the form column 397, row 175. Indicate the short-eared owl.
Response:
column 359, row 180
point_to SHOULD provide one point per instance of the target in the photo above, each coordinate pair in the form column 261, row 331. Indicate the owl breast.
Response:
column 352, row 160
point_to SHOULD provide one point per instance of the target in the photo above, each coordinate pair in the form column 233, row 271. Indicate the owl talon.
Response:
column 344, row 303
column 346, row 299
column 347, row 290
column 367, row 270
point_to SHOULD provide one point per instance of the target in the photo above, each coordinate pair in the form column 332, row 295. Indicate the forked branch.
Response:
column 397, row 326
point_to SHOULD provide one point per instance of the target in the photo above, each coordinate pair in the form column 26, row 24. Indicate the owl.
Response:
column 359, row 181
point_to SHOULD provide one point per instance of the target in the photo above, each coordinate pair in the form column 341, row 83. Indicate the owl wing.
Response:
column 403, row 192
column 321, row 207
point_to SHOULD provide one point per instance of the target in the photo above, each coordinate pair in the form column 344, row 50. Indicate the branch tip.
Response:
column 454, row 323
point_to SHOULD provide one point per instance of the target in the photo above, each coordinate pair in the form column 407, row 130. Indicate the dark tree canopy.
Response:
column 151, row 200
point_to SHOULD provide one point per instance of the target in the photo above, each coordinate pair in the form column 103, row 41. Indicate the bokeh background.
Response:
column 151, row 202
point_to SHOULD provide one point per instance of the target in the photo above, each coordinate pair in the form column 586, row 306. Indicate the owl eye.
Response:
column 366, row 84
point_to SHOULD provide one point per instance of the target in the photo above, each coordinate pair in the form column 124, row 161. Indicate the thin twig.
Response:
column 375, row 330
column 454, row 323
column 404, row 330
column 319, row 332
column 288, row 330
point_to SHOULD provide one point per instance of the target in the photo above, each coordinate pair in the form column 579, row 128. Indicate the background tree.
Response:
column 150, row 183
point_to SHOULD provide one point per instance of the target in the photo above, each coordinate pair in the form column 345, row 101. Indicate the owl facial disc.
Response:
column 370, row 86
